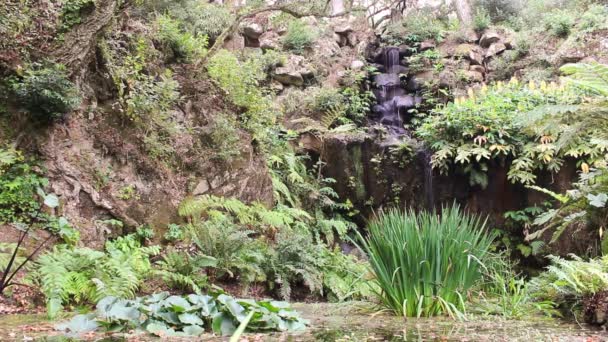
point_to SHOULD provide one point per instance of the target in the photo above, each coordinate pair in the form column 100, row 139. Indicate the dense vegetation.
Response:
column 190, row 108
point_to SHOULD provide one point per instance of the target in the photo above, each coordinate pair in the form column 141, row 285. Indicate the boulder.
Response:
column 288, row 76
column 201, row 188
column 235, row 42
column 478, row 68
column 343, row 28
column 571, row 56
column 470, row 36
column 447, row 79
column 422, row 78
column 427, row 45
column 495, row 49
column 252, row 30
column 474, row 76
column 470, row 52
column 489, row 37
column 269, row 41
column 357, row 64
column 405, row 50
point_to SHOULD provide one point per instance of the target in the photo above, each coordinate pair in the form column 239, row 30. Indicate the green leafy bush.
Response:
column 224, row 138
column 176, row 316
column 19, row 184
column 185, row 46
column 72, row 12
column 470, row 133
column 46, row 92
column 482, row 20
column 241, row 80
column 184, row 271
column 594, row 18
column 299, row 37
column 174, row 232
column 81, row 275
column 415, row 28
column 425, row 263
column 559, row 22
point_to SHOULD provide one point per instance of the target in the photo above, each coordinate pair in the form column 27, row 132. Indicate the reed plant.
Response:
column 426, row 262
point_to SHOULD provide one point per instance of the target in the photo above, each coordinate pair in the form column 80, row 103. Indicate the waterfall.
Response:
column 392, row 111
column 393, row 100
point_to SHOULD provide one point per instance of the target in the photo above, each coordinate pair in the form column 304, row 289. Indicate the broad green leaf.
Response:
column 598, row 201
column 223, row 324
column 189, row 318
column 79, row 324
column 51, row 201
column 193, row 330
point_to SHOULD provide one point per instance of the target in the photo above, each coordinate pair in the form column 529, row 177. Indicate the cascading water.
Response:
column 393, row 100
column 392, row 110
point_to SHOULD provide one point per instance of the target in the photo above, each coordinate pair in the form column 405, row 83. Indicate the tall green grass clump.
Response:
column 425, row 262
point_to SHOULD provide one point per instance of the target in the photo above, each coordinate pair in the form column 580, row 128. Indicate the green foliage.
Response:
column 415, row 28
column 186, row 47
column 183, row 271
column 559, row 22
column 594, row 19
column 19, row 182
column 482, row 20
column 81, row 275
column 500, row 10
column 299, row 37
column 505, row 293
column 199, row 18
column 72, row 12
column 425, row 263
column 46, row 92
column 187, row 316
column 567, row 281
column 241, row 80
column 223, row 136
column 174, row 232
column 486, row 127
column 583, row 137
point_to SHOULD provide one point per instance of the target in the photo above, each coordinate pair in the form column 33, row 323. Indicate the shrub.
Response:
column 224, row 137
column 72, row 11
column 482, row 20
column 487, row 126
column 299, row 36
column 559, row 22
column 566, row 282
column 81, row 275
column 425, row 263
column 19, row 184
column 416, row 27
column 594, row 18
column 185, row 46
column 500, row 10
column 46, row 92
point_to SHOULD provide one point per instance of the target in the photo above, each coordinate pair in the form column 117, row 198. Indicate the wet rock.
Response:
column 489, row 37
column 427, row 45
column 407, row 101
column 269, row 41
column 413, row 85
column 399, row 69
column 495, row 49
column 357, row 65
column 387, row 80
column 252, row 30
column 405, row 51
column 287, row 76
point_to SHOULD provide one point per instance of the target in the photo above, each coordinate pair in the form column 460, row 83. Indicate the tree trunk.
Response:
column 465, row 13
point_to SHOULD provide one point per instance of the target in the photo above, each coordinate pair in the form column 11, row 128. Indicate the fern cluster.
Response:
column 568, row 281
column 82, row 275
